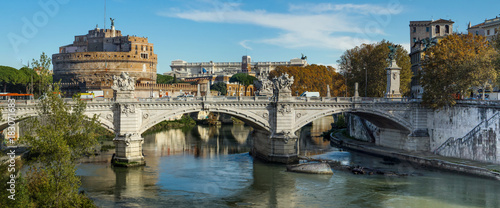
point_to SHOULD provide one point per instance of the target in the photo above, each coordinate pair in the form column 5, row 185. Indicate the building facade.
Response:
column 183, row 69
column 100, row 54
column 422, row 35
column 234, row 89
column 488, row 28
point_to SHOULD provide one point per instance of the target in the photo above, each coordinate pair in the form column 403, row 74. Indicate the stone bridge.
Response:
column 275, row 121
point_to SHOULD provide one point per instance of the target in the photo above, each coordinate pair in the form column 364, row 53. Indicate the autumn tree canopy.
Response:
column 368, row 62
column 312, row 78
column 454, row 65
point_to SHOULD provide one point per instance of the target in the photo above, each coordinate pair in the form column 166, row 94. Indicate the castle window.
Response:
column 414, row 29
column 427, row 29
column 438, row 29
column 447, row 29
column 487, row 32
column 414, row 40
column 477, row 32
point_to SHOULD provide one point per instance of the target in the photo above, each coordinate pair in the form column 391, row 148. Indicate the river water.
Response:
column 210, row 167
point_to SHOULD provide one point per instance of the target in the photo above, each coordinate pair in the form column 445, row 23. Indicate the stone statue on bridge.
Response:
column 282, row 85
column 392, row 55
column 264, row 85
column 123, row 83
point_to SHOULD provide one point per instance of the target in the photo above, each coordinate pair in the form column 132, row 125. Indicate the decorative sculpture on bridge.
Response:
column 392, row 55
column 264, row 85
column 281, row 86
column 124, row 85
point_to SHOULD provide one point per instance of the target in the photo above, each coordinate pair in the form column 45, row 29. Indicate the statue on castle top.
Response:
column 123, row 83
column 112, row 22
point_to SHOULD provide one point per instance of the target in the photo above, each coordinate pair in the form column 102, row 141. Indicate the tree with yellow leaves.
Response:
column 366, row 65
column 454, row 65
column 312, row 78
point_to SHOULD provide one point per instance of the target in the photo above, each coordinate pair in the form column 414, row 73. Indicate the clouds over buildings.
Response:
column 309, row 25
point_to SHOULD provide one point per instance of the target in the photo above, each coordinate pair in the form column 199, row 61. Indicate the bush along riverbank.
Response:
column 184, row 122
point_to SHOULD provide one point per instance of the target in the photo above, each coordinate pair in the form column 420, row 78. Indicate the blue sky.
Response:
column 225, row 30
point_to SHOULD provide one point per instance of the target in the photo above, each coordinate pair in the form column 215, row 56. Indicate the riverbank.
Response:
column 424, row 159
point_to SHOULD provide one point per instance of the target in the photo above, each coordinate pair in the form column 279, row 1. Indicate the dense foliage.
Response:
column 164, row 79
column 220, row 86
column 60, row 134
column 369, row 62
column 313, row 78
column 19, row 81
column 243, row 78
column 454, row 65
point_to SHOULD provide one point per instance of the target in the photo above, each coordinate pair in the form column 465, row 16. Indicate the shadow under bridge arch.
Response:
column 378, row 118
column 252, row 119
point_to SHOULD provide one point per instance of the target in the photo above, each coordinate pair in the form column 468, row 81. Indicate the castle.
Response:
column 95, row 57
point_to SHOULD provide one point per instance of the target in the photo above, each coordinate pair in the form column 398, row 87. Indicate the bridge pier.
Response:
column 275, row 148
column 128, row 150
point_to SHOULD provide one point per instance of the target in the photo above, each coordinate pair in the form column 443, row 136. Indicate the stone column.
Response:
column 208, row 90
column 356, row 94
column 393, row 73
column 328, row 91
column 128, row 141
column 198, row 94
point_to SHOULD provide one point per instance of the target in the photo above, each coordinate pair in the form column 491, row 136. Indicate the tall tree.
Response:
column 366, row 65
column 312, row 78
column 454, row 65
column 60, row 135
column 42, row 66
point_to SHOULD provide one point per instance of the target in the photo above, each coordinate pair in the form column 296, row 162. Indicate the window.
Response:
column 414, row 40
column 487, row 32
column 438, row 29
column 477, row 32
column 447, row 29
column 414, row 29
column 427, row 29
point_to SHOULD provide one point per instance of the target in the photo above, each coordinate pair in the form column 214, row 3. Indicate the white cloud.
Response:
column 244, row 44
column 329, row 26
column 365, row 9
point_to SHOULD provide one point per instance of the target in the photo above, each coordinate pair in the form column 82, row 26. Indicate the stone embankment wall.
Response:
column 357, row 129
column 466, row 131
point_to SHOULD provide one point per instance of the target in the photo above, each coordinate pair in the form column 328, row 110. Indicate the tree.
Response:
column 164, row 79
column 59, row 136
column 312, row 78
column 366, row 65
column 9, row 76
column 42, row 65
column 454, row 65
column 496, row 59
column 220, row 86
column 243, row 78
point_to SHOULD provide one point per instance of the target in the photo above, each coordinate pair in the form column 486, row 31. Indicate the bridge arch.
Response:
column 378, row 118
column 246, row 116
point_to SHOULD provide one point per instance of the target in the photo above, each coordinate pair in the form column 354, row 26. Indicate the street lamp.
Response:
column 366, row 79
